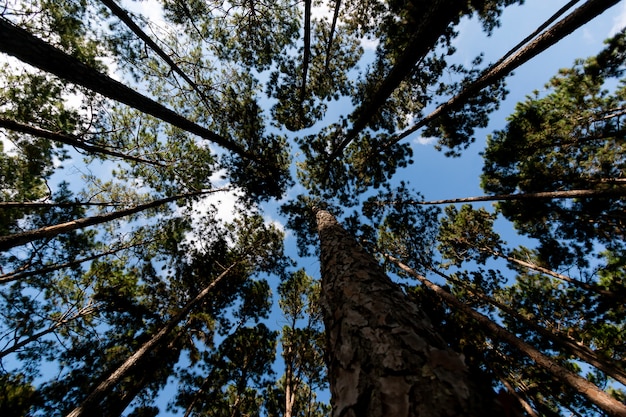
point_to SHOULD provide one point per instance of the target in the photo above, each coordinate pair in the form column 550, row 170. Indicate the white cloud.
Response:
column 619, row 21
column 369, row 44
column 424, row 140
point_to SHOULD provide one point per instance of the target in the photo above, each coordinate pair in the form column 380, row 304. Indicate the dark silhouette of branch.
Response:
column 307, row 48
column 18, row 239
column 128, row 21
column 21, row 44
column 567, row 25
column 21, row 273
column 61, row 321
column 608, row 192
column 49, row 204
column 331, row 35
column 70, row 140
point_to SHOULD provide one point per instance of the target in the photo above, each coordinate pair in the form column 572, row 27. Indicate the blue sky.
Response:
column 433, row 174
column 440, row 177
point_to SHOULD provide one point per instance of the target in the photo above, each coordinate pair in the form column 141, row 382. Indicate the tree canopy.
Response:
column 161, row 161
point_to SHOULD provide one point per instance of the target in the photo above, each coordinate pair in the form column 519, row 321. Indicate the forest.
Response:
column 223, row 208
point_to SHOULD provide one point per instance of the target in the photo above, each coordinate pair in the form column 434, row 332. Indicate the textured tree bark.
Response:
column 385, row 358
column 105, row 387
column 611, row 406
column 21, row 44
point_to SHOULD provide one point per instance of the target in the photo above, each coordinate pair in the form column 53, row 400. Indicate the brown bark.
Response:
column 598, row 397
column 27, row 48
column 71, row 140
column 437, row 16
column 519, row 398
column 384, row 356
column 107, row 385
column 585, row 13
column 617, row 191
column 290, row 383
column 17, row 239
column 586, row 354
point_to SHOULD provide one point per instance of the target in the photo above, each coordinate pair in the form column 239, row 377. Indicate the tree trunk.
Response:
column 27, row 48
column 94, row 398
column 436, row 16
column 582, row 15
column 18, row 239
column 164, row 357
column 384, row 356
column 618, row 191
column 71, row 140
column 290, row 383
column 598, row 397
column 595, row 288
column 583, row 352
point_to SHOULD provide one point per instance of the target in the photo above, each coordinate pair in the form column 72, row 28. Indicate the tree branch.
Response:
column 573, row 21
column 27, row 48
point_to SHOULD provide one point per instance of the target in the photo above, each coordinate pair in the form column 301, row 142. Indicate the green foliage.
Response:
column 16, row 395
column 262, row 79
column 399, row 228
column 302, row 343
column 467, row 235
column 570, row 139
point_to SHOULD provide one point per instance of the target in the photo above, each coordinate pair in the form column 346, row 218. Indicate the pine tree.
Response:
column 118, row 129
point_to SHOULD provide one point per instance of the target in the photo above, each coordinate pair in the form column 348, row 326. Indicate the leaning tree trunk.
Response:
column 385, row 358
column 106, row 386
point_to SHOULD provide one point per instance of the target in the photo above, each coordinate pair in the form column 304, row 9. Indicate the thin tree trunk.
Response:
column 384, row 356
column 608, row 366
column 121, row 14
column 331, row 35
column 521, row 400
column 290, row 382
column 598, row 397
column 537, row 31
column 306, row 58
column 44, row 204
column 198, row 394
column 437, row 16
column 582, row 15
column 70, row 140
column 64, row 319
column 27, row 48
column 109, row 383
column 128, row 21
column 17, row 239
column 135, row 382
column 580, row 284
column 21, row 273
column 618, row 191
